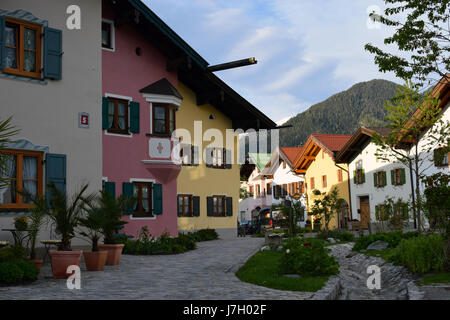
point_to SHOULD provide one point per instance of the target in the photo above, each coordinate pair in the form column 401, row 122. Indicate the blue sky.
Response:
column 307, row 50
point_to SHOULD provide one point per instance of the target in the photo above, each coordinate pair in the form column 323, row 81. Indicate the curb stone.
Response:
column 235, row 267
column 330, row 291
column 413, row 291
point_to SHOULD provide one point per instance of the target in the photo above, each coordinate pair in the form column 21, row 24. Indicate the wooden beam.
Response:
column 310, row 157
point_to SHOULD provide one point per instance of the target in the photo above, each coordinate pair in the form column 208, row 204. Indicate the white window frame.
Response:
column 113, row 36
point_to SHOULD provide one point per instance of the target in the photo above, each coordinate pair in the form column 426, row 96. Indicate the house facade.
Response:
column 50, row 83
column 317, row 162
column 372, row 181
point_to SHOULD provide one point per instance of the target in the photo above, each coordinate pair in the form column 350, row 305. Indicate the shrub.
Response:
column 13, row 253
column 30, row 271
column 307, row 260
column 162, row 245
column 392, row 238
column 421, row 254
column 10, row 272
column 337, row 234
column 203, row 235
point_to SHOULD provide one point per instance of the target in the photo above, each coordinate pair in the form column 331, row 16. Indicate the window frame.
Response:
column 138, row 212
column 359, row 175
column 167, row 121
column 398, row 176
column 111, row 35
column 340, row 175
column 19, row 204
column 269, row 188
column 116, row 129
column 216, row 212
column 20, row 48
column 380, row 180
column 184, row 214
column 445, row 157
column 324, row 181
column 312, row 183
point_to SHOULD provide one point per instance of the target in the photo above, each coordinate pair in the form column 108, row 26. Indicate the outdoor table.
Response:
column 3, row 244
column 48, row 244
column 18, row 235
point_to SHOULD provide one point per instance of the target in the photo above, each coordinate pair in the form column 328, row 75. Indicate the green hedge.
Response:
column 310, row 260
column 17, row 271
column 392, row 238
column 421, row 254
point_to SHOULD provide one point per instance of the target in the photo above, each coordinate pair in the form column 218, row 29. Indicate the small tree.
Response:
column 394, row 214
column 326, row 207
column 409, row 114
column 297, row 210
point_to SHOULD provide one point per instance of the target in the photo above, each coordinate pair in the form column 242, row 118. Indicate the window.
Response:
column 163, row 119
column 218, row 159
column 339, row 175
column 398, row 176
column 285, row 190
column 284, row 165
column 117, row 116
column 313, row 186
column 324, row 181
column 359, row 176
column 185, row 206
column 250, row 190
column 107, row 35
column 269, row 188
column 381, row 212
column 22, row 48
column 189, row 155
column 219, row 206
column 143, row 192
column 22, row 174
column 380, row 179
column 258, row 191
column 441, row 157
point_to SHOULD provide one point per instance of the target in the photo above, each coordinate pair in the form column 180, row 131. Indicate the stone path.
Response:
column 204, row 273
column 353, row 275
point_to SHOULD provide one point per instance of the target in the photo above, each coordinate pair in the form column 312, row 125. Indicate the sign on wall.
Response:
column 83, row 120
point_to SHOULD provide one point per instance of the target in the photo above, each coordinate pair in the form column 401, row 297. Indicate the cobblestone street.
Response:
column 204, row 273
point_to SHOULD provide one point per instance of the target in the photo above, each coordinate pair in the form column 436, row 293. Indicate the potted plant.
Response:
column 92, row 224
column 65, row 214
column 36, row 220
column 112, row 209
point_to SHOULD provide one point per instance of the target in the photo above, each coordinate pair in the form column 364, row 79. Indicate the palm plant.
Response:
column 7, row 130
column 111, row 209
column 66, row 213
column 37, row 219
column 93, row 223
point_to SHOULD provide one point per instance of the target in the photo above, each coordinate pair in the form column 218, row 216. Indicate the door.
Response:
column 365, row 214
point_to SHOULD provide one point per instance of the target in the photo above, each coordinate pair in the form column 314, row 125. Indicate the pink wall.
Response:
column 124, row 73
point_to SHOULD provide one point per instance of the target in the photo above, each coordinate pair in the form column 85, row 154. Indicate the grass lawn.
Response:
column 385, row 254
column 432, row 278
column 262, row 270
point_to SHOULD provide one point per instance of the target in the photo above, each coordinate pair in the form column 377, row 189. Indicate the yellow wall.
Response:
column 200, row 180
column 326, row 166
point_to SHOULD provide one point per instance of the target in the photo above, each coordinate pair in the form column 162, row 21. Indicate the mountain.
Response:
column 342, row 113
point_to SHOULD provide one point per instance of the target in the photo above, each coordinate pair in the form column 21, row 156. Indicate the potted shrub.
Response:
column 65, row 214
column 112, row 209
column 93, row 223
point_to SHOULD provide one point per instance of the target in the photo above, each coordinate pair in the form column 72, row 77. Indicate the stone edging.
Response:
column 235, row 267
column 330, row 291
column 413, row 291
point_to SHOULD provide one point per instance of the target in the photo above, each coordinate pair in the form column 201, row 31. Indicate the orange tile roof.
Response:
column 333, row 142
column 291, row 152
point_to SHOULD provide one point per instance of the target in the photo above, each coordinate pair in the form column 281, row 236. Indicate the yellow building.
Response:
column 317, row 162
column 208, row 189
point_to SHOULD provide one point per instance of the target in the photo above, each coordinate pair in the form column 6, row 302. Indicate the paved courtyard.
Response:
column 204, row 273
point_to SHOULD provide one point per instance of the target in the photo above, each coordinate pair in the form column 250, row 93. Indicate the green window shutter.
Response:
column 375, row 176
column 127, row 190
column 393, row 177
column 354, row 177
column 402, row 176
column 105, row 113
column 363, row 176
column 134, row 117
column 52, row 53
column 110, row 187
column 56, row 172
column 377, row 213
column 229, row 206
column 384, row 179
column 2, row 41
column 157, row 199
column 209, row 206
column 196, row 206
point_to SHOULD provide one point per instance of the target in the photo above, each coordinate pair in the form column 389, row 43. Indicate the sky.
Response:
column 307, row 50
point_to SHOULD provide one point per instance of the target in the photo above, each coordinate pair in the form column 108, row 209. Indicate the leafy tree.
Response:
column 297, row 210
column 409, row 114
column 326, row 206
column 7, row 131
column 395, row 214
column 424, row 33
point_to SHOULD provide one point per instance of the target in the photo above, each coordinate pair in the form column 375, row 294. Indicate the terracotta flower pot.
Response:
column 95, row 261
column 37, row 263
column 61, row 260
column 114, row 252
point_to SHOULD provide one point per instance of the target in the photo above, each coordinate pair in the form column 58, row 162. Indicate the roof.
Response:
column 357, row 142
column 329, row 143
column 260, row 159
column 162, row 87
column 291, row 153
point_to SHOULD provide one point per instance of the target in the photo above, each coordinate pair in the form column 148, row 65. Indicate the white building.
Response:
column 372, row 181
